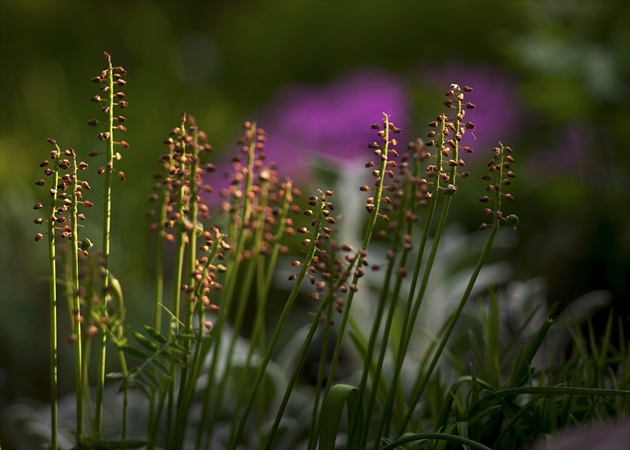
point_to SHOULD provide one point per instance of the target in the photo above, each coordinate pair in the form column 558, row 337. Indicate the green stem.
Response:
column 176, row 292
column 297, row 369
column 277, row 330
column 125, row 374
column 422, row 382
column 158, row 304
column 265, row 276
column 390, row 315
column 395, row 393
column 189, row 233
column 237, row 230
column 107, row 212
column 244, row 290
column 413, row 307
column 314, row 432
column 374, row 213
column 53, row 309
column 76, row 300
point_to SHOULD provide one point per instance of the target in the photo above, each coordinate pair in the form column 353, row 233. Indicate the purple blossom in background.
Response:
column 332, row 121
column 569, row 145
column 497, row 115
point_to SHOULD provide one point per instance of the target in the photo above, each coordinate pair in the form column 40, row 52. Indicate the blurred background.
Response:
column 550, row 79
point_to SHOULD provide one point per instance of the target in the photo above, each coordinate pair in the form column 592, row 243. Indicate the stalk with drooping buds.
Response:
column 112, row 79
column 500, row 176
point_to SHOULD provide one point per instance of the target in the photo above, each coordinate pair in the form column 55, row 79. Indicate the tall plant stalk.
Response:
column 107, row 213
column 52, row 270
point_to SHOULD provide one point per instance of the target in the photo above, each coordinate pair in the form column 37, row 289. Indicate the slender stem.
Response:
column 125, row 374
column 181, row 240
column 395, row 392
column 238, row 231
column 419, row 388
column 158, row 304
column 393, row 301
column 76, row 300
column 190, row 235
column 53, row 309
column 374, row 214
column 413, row 307
column 193, row 201
column 244, row 288
column 422, row 382
column 314, row 432
column 107, row 212
column 277, row 330
column 266, row 275
column 297, row 369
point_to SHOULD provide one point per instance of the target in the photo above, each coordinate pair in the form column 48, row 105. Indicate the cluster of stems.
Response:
column 219, row 269
column 89, row 285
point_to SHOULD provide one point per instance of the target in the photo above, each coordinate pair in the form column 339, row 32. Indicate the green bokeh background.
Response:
column 224, row 60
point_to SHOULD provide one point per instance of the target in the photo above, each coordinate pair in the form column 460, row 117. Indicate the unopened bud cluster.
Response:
column 446, row 140
column 334, row 267
column 256, row 198
column 181, row 181
column 500, row 176
column 110, row 99
column 383, row 167
column 65, row 191
column 204, row 279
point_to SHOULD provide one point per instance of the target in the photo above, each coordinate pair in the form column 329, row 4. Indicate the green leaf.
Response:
column 155, row 334
column 339, row 396
column 187, row 336
column 136, row 353
column 146, row 343
column 137, row 386
column 162, row 368
column 173, row 359
column 151, row 379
